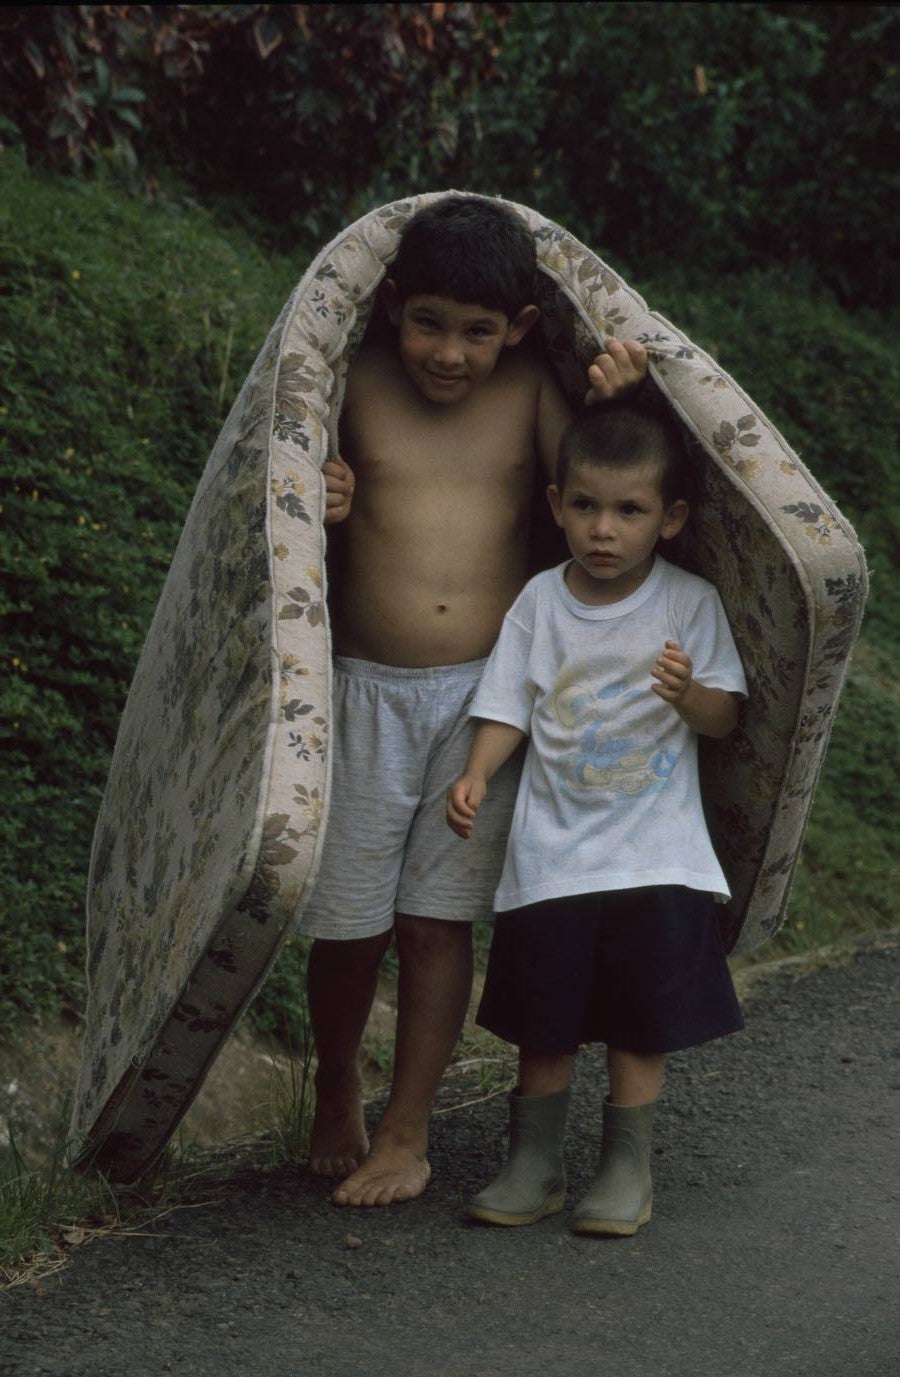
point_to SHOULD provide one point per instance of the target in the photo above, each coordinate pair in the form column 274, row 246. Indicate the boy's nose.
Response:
column 449, row 351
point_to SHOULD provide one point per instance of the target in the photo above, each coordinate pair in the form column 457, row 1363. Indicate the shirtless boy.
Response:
column 442, row 428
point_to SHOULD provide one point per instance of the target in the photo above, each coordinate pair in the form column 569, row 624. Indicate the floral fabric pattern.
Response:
column 210, row 830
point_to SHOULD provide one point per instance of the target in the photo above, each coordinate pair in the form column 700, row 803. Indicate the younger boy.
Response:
column 606, row 931
column 442, row 426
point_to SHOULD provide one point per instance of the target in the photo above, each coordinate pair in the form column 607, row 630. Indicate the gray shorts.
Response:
column 400, row 739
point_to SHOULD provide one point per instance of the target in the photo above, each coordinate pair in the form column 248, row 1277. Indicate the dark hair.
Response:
column 620, row 436
column 471, row 248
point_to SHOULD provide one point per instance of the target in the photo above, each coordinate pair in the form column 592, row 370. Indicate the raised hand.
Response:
column 614, row 373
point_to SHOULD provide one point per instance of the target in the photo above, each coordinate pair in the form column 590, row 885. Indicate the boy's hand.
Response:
column 339, row 485
column 463, row 801
column 706, row 710
column 673, row 673
column 622, row 367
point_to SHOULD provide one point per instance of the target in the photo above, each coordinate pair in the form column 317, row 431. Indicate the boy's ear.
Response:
column 555, row 499
column 675, row 518
column 521, row 324
column 391, row 300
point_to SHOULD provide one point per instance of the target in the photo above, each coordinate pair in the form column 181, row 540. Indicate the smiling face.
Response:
column 612, row 519
column 447, row 347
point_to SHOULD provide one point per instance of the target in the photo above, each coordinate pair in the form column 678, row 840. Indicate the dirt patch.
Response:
column 240, row 1096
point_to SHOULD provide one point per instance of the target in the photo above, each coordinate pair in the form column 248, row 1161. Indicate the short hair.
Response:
column 471, row 248
column 621, row 436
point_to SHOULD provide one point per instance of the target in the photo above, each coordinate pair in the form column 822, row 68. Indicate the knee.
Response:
column 352, row 957
column 424, row 937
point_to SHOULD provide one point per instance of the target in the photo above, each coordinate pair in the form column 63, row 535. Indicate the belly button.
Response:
column 442, row 607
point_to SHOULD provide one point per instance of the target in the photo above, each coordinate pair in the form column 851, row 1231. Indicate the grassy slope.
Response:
column 125, row 330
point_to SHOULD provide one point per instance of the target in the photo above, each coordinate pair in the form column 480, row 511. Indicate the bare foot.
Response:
column 338, row 1142
column 390, row 1174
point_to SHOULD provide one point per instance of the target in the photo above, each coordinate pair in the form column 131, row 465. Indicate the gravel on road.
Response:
column 774, row 1250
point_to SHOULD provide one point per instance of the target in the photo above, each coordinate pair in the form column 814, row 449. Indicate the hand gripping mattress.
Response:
column 209, row 834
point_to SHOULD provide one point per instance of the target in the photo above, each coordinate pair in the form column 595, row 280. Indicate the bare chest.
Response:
column 484, row 441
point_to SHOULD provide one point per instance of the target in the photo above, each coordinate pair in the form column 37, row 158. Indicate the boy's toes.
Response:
column 385, row 1179
column 335, row 1166
column 338, row 1142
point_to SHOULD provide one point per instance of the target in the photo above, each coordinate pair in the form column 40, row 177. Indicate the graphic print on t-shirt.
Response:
column 631, row 764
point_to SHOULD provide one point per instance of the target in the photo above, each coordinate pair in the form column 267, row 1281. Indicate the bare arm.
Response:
column 707, row 711
column 611, row 375
column 553, row 415
column 493, row 745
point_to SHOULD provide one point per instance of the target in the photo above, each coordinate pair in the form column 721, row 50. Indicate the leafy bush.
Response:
column 829, row 379
column 125, row 333
column 734, row 135
column 290, row 107
column 731, row 135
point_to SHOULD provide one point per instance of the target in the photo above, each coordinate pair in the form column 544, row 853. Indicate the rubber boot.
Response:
column 532, row 1184
column 620, row 1197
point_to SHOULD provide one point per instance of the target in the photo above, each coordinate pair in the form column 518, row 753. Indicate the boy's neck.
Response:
column 590, row 593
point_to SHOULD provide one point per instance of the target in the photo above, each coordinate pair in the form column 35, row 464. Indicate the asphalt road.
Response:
column 774, row 1250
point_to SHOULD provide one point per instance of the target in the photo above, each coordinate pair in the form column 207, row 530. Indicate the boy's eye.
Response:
column 582, row 504
column 630, row 509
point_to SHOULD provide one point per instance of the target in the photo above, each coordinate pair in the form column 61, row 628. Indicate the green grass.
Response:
column 125, row 330
column 848, row 878
column 45, row 1208
column 46, row 1211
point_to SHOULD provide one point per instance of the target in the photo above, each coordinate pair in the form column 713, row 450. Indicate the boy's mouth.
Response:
column 601, row 557
column 445, row 379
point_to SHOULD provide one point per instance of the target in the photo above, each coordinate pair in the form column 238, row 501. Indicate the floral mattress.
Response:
column 209, row 834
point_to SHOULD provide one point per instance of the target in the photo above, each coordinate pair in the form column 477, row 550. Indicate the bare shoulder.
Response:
column 534, row 384
column 524, row 367
column 373, row 366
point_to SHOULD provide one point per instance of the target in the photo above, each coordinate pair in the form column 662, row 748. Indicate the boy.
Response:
column 613, row 664
column 442, row 427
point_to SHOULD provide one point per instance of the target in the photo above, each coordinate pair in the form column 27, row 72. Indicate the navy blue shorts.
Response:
column 642, row 970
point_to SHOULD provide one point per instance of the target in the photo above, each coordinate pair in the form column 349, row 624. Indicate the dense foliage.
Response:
column 123, row 337
column 727, row 134
column 299, row 110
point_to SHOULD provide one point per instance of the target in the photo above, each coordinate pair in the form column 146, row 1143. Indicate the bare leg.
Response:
column 634, row 1078
column 545, row 1073
column 341, row 982
column 432, row 999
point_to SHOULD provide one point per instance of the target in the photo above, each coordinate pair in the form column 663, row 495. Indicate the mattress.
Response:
column 209, row 834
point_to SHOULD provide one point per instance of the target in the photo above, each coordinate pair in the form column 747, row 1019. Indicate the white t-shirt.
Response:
column 610, row 792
